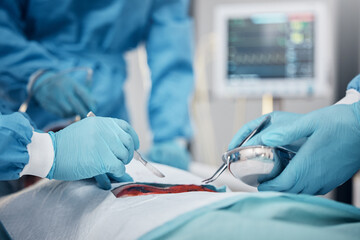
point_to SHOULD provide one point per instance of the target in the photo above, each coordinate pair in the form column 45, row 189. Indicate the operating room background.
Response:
column 217, row 119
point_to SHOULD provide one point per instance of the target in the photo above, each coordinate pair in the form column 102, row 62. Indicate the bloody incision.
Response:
column 139, row 189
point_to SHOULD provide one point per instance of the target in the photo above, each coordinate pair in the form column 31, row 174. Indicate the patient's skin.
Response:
column 139, row 189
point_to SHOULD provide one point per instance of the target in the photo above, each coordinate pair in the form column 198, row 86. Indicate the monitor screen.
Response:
column 283, row 49
column 269, row 46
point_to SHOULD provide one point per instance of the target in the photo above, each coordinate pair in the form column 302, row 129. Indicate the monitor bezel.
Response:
column 278, row 87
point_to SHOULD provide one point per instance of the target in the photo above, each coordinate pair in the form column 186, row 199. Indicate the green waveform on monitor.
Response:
column 257, row 58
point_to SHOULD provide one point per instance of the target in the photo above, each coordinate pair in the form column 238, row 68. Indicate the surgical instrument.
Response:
column 256, row 164
column 138, row 157
column 154, row 170
column 226, row 163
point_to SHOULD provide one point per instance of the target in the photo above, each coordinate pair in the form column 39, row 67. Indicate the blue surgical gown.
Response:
column 15, row 134
column 62, row 34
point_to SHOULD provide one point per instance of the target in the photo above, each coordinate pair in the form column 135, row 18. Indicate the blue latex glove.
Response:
column 62, row 95
column 91, row 147
column 329, row 156
column 170, row 153
column 104, row 180
column 277, row 120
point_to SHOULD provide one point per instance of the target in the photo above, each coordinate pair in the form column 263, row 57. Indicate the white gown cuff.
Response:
column 41, row 155
column 352, row 96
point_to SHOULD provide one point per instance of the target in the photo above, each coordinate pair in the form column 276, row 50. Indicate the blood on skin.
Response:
column 140, row 189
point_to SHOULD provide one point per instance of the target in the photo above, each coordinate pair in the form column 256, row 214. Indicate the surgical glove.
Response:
column 277, row 119
column 91, row 147
column 170, row 153
column 104, row 180
column 329, row 156
column 62, row 95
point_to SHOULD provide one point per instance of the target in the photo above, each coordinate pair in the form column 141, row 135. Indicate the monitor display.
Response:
column 271, row 46
column 283, row 49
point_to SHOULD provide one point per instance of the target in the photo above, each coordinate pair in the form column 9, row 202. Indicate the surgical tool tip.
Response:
column 153, row 169
column 90, row 114
column 221, row 169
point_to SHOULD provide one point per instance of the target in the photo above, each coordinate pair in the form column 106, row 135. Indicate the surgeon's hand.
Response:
column 104, row 180
column 170, row 153
column 92, row 147
column 329, row 156
column 277, row 119
column 62, row 95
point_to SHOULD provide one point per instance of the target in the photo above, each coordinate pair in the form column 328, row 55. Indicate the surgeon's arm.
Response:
column 85, row 149
column 20, row 57
column 15, row 135
column 169, row 47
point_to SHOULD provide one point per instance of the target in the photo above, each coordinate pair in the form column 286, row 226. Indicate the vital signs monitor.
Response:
column 272, row 48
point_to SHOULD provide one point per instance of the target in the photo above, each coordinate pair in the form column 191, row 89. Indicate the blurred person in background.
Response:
column 43, row 39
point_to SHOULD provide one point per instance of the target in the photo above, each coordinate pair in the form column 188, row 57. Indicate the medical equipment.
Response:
column 272, row 48
column 226, row 162
column 256, row 164
column 152, row 169
column 138, row 157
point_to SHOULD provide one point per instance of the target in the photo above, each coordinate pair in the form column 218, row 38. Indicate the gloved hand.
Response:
column 91, row 147
column 277, row 120
column 62, row 95
column 104, row 180
column 170, row 153
column 329, row 156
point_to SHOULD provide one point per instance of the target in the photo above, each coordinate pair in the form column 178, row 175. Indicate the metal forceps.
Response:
column 225, row 165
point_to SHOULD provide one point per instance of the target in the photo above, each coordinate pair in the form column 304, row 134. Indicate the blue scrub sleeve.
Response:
column 355, row 83
column 19, row 55
column 15, row 135
column 169, row 46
